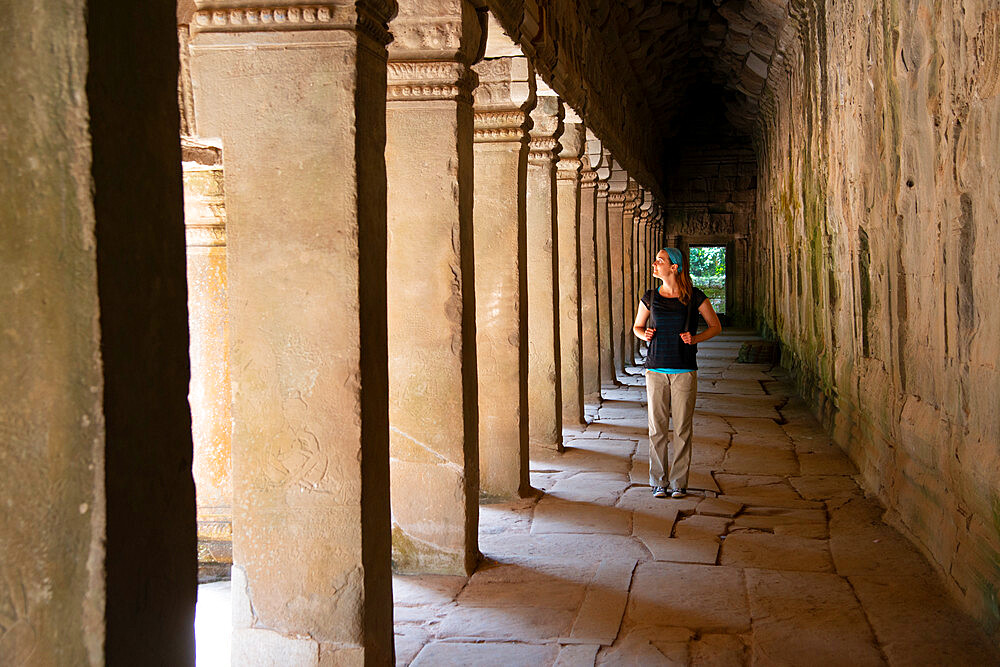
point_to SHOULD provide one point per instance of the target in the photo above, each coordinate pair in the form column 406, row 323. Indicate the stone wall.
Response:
column 875, row 258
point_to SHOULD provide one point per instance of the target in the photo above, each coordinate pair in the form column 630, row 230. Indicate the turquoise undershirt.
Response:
column 671, row 371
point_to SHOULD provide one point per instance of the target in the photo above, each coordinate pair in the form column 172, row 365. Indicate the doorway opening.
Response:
column 708, row 273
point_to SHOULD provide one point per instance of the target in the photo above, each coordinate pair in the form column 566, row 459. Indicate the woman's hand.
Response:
column 687, row 338
column 647, row 335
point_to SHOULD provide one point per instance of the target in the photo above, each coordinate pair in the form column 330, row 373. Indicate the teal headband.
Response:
column 676, row 257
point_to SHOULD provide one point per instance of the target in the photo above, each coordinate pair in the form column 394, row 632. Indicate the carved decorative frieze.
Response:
column 368, row 17
column 445, row 80
column 499, row 125
column 542, row 150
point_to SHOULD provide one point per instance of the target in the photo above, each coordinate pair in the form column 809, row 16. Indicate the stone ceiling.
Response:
column 640, row 70
column 673, row 47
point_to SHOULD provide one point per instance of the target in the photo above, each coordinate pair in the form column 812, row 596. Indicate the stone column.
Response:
column 433, row 402
column 208, row 322
column 573, row 142
column 590, row 370
column 544, row 381
column 633, row 196
column 504, row 95
column 297, row 96
column 605, row 315
column 618, row 180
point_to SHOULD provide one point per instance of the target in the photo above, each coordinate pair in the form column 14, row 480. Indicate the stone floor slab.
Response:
column 719, row 507
column 701, row 527
column 600, row 615
column 491, row 654
column 824, row 487
column 424, row 589
column 700, row 597
column 861, row 543
column 784, row 521
column 807, row 618
column 591, row 547
column 409, row 640
column 711, row 650
column 917, row 624
column 590, row 487
column 659, row 524
column 577, row 655
column 560, row 516
column 553, row 594
column 679, row 550
column 740, row 406
column 826, row 463
column 767, row 491
column 530, row 624
column 776, row 552
column 753, row 460
column 702, row 480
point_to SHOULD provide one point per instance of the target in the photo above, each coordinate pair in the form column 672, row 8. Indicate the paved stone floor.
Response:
column 776, row 558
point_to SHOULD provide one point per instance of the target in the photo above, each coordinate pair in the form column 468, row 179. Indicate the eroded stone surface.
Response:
column 775, row 552
column 700, row 597
column 492, row 654
column 807, row 618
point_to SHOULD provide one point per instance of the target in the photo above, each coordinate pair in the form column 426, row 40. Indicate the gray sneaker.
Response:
column 659, row 492
column 677, row 493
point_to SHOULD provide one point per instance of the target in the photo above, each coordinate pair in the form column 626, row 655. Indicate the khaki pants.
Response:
column 670, row 395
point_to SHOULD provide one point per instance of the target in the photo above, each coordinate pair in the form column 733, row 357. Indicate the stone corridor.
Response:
column 775, row 558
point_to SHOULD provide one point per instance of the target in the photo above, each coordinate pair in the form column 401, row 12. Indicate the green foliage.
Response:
column 708, row 273
column 708, row 262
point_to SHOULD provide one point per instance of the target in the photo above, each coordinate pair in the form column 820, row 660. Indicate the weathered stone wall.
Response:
column 876, row 258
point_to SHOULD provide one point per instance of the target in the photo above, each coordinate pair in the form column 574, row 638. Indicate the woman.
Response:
column 672, row 367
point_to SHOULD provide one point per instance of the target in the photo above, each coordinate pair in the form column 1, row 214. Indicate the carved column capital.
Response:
column 588, row 177
column 505, row 93
column 228, row 16
column 546, row 129
column 616, row 199
column 573, row 144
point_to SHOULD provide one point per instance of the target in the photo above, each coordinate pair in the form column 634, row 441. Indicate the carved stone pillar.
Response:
column 590, row 370
column 605, row 312
column 208, row 323
column 641, row 264
column 433, row 411
column 616, row 204
column 504, row 94
column 633, row 196
column 297, row 96
column 573, row 142
column 544, row 381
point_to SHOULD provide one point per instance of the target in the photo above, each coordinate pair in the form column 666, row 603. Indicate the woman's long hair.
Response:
column 685, row 288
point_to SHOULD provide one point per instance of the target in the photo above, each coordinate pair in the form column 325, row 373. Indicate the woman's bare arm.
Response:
column 639, row 328
column 711, row 319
